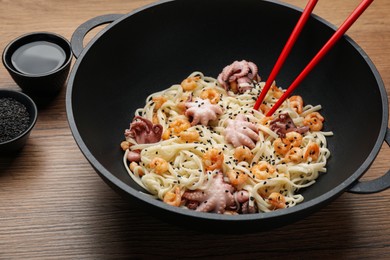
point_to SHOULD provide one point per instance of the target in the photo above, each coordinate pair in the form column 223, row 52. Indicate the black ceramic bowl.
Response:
column 16, row 143
column 154, row 47
column 56, row 58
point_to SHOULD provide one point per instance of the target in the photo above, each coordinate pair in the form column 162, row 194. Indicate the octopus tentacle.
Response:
column 241, row 132
column 218, row 197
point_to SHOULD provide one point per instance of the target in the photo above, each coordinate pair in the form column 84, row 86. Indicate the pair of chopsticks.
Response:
column 287, row 48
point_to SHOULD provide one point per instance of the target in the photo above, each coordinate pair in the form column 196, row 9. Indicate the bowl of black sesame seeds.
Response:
column 18, row 115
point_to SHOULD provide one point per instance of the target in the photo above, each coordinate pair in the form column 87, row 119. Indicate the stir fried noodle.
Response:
column 202, row 146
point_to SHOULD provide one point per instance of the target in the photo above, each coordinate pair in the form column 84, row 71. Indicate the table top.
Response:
column 53, row 204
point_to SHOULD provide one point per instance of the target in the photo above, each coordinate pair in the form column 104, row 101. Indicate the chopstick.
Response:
column 328, row 45
column 286, row 50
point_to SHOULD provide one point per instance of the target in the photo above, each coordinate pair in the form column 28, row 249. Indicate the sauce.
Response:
column 38, row 57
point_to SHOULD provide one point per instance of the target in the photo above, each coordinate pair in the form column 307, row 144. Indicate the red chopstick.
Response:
column 328, row 45
column 286, row 50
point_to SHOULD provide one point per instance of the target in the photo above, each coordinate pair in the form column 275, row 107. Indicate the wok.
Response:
column 159, row 45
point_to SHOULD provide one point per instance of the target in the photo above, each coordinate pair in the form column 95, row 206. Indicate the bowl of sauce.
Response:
column 39, row 62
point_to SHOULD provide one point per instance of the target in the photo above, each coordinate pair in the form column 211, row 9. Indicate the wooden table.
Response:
column 53, row 204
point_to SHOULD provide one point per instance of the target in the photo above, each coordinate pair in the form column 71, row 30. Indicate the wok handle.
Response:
column 376, row 185
column 81, row 31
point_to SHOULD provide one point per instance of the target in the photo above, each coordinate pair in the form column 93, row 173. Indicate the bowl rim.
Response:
column 320, row 200
column 68, row 52
column 27, row 99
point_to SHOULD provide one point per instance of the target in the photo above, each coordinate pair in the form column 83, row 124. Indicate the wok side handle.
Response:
column 81, row 31
column 377, row 185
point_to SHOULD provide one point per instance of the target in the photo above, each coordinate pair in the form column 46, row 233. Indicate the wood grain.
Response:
column 54, row 206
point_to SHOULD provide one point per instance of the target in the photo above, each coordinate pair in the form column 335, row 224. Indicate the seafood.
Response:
column 218, row 197
column 202, row 111
column 263, row 170
column 213, row 159
column 159, row 165
column 189, row 83
column 210, row 94
column 173, row 198
column 314, row 121
column 240, row 132
column 312, row 152
column 239, row 76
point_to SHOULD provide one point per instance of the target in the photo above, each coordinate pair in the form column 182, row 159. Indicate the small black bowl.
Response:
column 39, row 82
column 15, row 144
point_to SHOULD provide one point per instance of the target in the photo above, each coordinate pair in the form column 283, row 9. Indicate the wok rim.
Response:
column 299, row 208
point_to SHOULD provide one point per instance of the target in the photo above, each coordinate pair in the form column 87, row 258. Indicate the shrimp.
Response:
column 213, row 159
column 312, row 151
column 264, row 108
column 276, row 92
column 296, row 103
column 179, row 125
column 166, row 134
column 189, row 83
column 158, row 101
column 159, row 165
column 181, row 105
column 277, row 200
column 266, row 120
column 294, row 155
column 293, row 138
column 237, row 178
column 314, row 121
column 263, row 170
column 280, row 147
column 173, row 198
column 125, row 145
column 210, row 94
column 189, row 136
column 135, row 167
column 243, row 153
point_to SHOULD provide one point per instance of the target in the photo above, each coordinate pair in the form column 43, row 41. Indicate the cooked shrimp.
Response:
column 210, row 94
column 312, row 151
column 280, row 147
column 190, row 83
column 159, row 165
column 173, row 198
column 314, row 121
column 276, row 92
column 159, row 101
column 294, row 155
column 213, row 159
column 266, row 120
column 135, row 167
column 243, row 153
column 293, row 138
column 264, row 108
column 125, row 145
column 262, row 170
column 296, row 103
column 179, row 125
column 181, row 105
column 237, row 178
column 166, row 134
column 277, row 200
column 189, row 136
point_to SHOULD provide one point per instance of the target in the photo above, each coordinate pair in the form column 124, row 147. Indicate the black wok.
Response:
column 159, row 45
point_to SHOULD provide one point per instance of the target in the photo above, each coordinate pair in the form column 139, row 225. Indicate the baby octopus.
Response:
column 240, row 132
column 202, row 111
column 239, row 76
column 217, row 198
column 143, row 131
column 284, row 124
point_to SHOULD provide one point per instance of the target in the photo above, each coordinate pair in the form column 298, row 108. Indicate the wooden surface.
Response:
column 53, row 204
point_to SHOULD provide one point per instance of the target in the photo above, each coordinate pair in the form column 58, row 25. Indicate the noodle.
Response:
column 186, row 167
